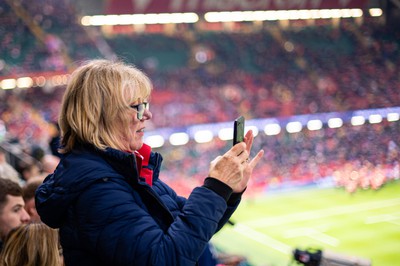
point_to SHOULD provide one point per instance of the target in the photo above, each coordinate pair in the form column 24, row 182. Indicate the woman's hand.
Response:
column 234, row 167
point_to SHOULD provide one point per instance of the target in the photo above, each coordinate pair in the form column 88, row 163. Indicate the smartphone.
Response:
column 238, row 130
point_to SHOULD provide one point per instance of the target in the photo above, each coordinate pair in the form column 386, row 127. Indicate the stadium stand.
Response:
column 211, row 76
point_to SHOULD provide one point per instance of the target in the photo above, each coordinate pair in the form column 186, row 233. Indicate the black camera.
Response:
column 316, row 257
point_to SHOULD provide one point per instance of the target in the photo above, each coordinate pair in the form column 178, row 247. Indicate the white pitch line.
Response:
column 313, row 234
column 262, row 238
column 322, row 213
column 324, row 238
column 395, row 222
column 383, row 218
column 249, row 232
column 298, row 232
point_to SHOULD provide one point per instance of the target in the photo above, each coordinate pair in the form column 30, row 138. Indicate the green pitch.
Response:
column 365, row 224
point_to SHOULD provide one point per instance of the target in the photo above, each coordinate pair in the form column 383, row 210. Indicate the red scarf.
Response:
column 142, row 160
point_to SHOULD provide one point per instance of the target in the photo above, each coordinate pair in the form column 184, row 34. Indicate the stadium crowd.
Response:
column 352, row 157
column 212, row 77
column 42, row 36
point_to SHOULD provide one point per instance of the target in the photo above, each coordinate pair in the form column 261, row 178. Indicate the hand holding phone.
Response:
column 234, row 168
column 238, row 130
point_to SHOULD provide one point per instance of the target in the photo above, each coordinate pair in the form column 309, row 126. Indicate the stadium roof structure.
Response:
column 142, row 12
column 199, row 7
column 147, row 12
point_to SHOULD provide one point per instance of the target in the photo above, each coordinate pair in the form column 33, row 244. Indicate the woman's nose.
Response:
column 147, row 115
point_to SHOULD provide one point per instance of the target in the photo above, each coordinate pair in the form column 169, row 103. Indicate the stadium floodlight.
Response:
column 336, row 13
column 226, row 134
column 8, row 84
column 356, row 12
column 272, row 129
column 24, row 82
column 304, row 14
column 351, row 13
column 155, row 141
column 335, row 122
column 58, row 80
column 178, row 139
column 315, row 14
column 357, row 120
column 375, row 12
column 272, row 15
column 294, row 127
column 325, row 13
column 139, row 19
column 40, row 81
column 252, row 128
column 375, row 119
column 97, row 20
column 218, row 16
column 282, row 15
column 293, row 14
column 201, row 57
column 260, row 15
column 240, row 16
column 391, row 117
column 203, row 133
column 314, row 124
column 203, row 136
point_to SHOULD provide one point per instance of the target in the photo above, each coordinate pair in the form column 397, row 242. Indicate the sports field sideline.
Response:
column 364, row 224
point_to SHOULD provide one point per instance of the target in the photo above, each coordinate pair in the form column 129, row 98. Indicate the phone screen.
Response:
column 238, row 130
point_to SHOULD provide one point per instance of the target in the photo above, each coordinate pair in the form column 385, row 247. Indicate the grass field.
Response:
column 365, row 224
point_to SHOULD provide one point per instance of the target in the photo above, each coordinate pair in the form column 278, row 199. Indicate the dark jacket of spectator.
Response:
column 166, row 224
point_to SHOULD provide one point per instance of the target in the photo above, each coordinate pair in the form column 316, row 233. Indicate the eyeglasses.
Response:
column 140, row 108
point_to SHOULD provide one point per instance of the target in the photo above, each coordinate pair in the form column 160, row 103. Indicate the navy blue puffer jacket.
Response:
column 107, row 216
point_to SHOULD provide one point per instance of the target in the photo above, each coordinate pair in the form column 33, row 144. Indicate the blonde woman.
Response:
column 33, row 244
column 105, row 194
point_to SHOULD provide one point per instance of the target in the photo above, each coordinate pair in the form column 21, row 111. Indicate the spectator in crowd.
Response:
column 30, row 170
column 33, row 244
column 49, row 164
column 29, row 190
column 12, row 212
column 361, row 75
column 6, row 169
column 105, row 195
column 48, row 161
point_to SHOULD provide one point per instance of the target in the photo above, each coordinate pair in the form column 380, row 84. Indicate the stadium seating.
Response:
column 210, row 77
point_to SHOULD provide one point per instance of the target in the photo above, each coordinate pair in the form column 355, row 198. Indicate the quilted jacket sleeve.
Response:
column 126, row 234
column 233, row 203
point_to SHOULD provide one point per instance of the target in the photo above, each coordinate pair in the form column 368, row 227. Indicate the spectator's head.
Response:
column 31, row 244
column 100, row 106
column 28, row 193
column 12, row 212
column 37, row 153
column 30, row 170
column 6, row 170
column 49, row 163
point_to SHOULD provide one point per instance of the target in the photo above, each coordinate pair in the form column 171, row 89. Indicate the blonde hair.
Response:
column 96, row 104
column 33, row 244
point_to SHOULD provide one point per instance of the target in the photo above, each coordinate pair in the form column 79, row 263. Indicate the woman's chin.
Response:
column 136, row 146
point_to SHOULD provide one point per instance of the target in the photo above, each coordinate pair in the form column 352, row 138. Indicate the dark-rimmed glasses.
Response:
column 140, row 108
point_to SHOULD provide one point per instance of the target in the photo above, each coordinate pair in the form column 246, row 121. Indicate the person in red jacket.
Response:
column 105, row 195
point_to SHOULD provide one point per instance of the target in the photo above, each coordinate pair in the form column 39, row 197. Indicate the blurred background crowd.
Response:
column 212, row 76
